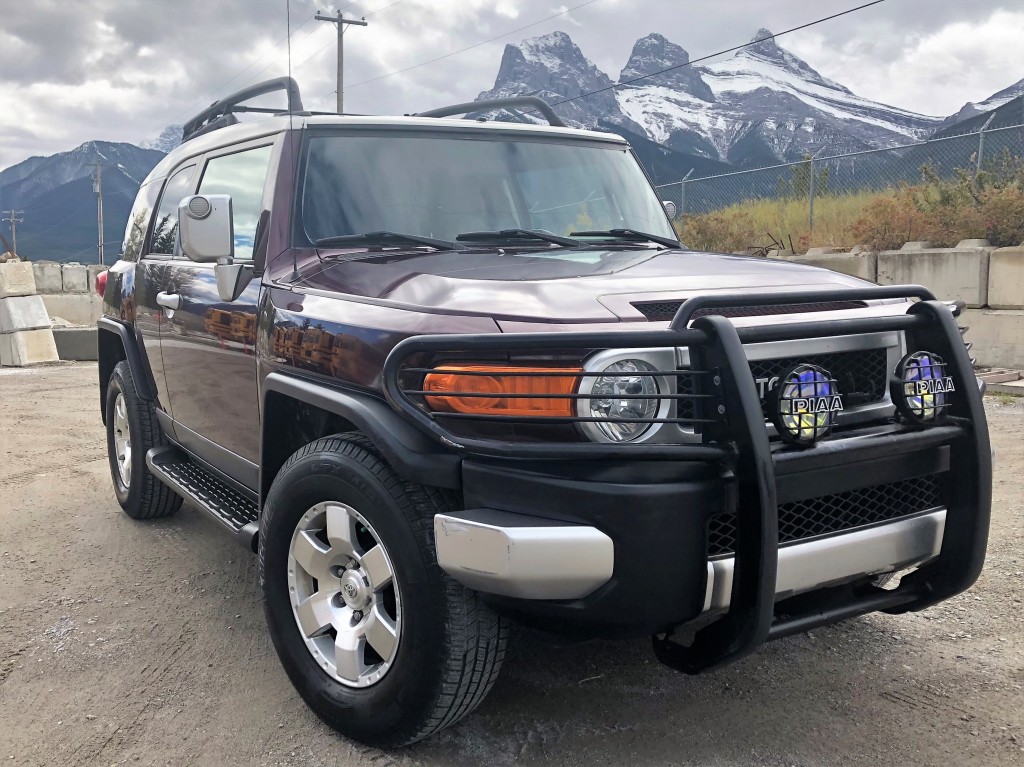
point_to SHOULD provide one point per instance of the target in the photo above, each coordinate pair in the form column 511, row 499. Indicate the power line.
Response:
column 237, row 74
column 718, row 53
column 469, row 47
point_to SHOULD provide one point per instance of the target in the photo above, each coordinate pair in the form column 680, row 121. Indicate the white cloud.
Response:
column 124, row 69
column 934, row 73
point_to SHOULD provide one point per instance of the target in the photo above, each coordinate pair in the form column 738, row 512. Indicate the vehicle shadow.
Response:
column 796, row 701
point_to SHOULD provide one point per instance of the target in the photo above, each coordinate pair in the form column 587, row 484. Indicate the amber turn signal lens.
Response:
column 499, row 390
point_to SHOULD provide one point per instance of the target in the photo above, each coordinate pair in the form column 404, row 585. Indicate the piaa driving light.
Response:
column 805, row 405
column 624, row 396
column 921, row 387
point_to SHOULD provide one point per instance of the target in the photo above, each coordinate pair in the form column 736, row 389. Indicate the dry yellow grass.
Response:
column 753, row 224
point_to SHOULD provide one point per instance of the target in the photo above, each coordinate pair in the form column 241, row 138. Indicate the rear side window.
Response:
column 242, row 175
column 165, row 225
column 138, row 221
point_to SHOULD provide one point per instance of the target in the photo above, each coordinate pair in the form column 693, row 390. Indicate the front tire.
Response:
column 132, row 430
column 377, row 639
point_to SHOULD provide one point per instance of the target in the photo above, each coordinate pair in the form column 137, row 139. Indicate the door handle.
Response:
column 169, row 300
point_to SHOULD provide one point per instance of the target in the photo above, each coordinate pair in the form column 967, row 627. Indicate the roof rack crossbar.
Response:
column 532, row 102
column 232, row 104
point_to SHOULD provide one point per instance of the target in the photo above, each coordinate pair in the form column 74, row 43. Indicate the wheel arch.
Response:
column 116, row 343
column 296, row 411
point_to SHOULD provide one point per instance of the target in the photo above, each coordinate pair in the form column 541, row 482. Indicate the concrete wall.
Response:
column 989, row 280
column 69, row 291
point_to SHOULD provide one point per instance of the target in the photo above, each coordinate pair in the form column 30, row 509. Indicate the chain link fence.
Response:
column 872, row 170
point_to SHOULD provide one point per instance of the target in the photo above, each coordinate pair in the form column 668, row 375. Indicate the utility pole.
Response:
column 340, row 21
column 97, row 188
column 13, row 219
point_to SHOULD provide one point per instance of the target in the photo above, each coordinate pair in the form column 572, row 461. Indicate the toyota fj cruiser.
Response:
column 445, row 373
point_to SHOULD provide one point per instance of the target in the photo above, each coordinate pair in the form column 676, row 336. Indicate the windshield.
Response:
column 438, row 186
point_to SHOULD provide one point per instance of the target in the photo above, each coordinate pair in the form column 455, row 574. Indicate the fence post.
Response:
column 981, row 140
column 810, row 196
column 682, row 197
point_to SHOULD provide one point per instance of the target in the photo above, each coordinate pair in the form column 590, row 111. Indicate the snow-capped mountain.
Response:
column 995, row 101
column 59, row 204
column 21, row 184
column 168, row 139
column 761, row 105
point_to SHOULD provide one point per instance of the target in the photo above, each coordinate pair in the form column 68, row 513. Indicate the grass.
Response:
column 970, row 203
column 757, row 223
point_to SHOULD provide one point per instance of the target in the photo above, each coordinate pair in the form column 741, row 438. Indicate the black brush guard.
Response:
column 740, row 443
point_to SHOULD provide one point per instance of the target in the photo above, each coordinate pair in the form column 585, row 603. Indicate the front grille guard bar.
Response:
column 740, row 443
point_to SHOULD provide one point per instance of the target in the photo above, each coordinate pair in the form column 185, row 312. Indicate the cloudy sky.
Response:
column 122, row 70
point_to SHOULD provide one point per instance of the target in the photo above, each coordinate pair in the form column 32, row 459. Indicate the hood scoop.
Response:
column 664, row 311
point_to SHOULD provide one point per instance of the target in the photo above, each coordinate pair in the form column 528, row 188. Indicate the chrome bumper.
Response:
column 516, row 555
column 826, row 561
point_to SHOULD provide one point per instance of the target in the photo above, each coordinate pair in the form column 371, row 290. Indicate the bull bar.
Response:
column 733, row 434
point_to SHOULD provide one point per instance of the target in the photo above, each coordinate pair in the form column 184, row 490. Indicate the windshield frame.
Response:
column 300, row 238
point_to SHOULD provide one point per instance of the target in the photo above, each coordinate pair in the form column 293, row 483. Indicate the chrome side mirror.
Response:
column 205, row 228
column 670, row 208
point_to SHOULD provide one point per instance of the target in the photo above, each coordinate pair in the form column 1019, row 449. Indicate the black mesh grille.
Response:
column 861, row 376
column 663, row 311
column 836, row 513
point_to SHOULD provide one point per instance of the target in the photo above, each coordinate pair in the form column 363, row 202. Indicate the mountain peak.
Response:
column 655, row 54
column 553, row 67
column 763, row 50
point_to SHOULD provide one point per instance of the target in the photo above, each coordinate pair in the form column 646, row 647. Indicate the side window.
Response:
column 241, row 175
column 138, row 221
column 165, row 225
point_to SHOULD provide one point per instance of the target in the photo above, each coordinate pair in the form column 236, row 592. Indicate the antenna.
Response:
column 291, row 128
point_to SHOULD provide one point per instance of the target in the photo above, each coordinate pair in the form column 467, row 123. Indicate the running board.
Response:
column 193, row 482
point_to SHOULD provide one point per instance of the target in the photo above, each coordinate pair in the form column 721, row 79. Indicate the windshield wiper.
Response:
column 394, row 239
column 632, row 234
column 518, row 234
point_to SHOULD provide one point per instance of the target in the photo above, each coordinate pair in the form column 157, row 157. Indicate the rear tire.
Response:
column 132, row 429
column 450, row 645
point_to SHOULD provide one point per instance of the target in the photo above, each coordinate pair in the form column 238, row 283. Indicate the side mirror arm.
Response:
column 232, row 278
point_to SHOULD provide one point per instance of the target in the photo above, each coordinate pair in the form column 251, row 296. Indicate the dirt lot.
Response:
column 143, row 643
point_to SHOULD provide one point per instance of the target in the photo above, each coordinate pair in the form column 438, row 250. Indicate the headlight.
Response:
column 622, row 396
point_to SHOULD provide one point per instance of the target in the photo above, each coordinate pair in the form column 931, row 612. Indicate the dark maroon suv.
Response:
column 447, row 373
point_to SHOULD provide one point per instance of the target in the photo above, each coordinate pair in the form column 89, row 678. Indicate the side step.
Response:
column 229, row 506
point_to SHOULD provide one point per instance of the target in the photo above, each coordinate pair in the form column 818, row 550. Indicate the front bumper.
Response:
column 654, row 501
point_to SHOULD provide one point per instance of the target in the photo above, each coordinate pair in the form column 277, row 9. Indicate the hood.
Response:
column 559, row 286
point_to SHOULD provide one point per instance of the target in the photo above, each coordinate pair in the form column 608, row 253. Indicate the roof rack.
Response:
column 533, row 102
column 222, row 113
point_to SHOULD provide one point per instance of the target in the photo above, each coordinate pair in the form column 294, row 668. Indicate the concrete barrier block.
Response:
column 917, row 245
column 998, row 336
column 948, row 272
column 47, row 277
column 862, row 265
column 93, row 270
column 27, row 347
column 79, row 344
column 23, row 313
column 16, row 279
column 76, row 308
column 1006, row 278
column 75, row 278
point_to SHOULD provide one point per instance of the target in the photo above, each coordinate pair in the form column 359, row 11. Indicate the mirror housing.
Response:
column 206, row 228
column 670, row 208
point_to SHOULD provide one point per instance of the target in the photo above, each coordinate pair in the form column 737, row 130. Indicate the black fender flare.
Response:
column 410, row 452
column 143, row 376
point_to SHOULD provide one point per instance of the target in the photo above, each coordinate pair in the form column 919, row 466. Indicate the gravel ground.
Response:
column 143, row 643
